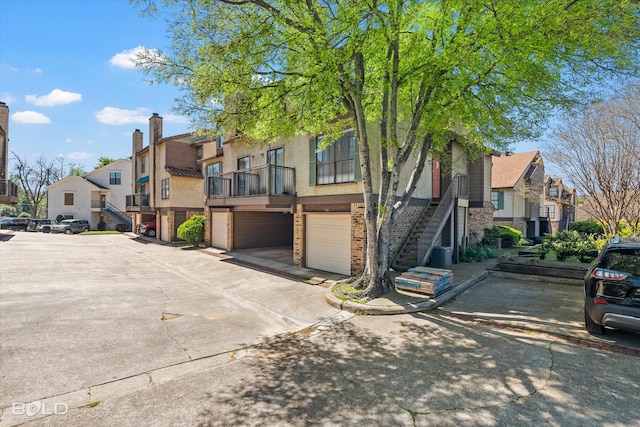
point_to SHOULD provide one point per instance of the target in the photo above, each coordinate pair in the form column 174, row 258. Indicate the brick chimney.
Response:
column 155, row 128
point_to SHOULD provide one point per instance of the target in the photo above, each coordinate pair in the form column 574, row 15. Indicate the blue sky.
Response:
column 70, row 89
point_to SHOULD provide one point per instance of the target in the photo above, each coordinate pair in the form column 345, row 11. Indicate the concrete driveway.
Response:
column 79, row 314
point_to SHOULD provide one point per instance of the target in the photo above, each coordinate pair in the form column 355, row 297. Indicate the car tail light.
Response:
column 601, row 273
column 599, row 301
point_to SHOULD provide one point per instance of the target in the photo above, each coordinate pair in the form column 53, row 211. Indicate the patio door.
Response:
column 275, row 158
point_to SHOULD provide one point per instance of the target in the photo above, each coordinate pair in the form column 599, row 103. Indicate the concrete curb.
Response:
column 427, row 304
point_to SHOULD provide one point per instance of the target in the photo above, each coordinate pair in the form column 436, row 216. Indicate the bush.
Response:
column 587, row 228
column 192, row 230
column 59, row 218
column 102, row 226
column 510, row 236
column 479, row 253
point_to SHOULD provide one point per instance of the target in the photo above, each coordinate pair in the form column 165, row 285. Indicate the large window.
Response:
column 143, row 164
column 68, row 199
column 164, row 189
column 553, row 192
column 115, row 178
column 336, row 163
column 216, row 185
column 497, row 199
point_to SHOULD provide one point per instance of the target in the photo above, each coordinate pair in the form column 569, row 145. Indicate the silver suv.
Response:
column 70, row 226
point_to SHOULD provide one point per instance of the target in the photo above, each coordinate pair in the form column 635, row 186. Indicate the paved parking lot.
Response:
column 79, row 311
column 118, row 331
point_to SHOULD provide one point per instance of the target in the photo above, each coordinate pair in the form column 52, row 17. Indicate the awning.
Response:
column 142, row 180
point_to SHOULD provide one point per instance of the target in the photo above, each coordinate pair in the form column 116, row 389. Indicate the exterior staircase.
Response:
column 122, row 219
column 407, row 256
column 422, row 239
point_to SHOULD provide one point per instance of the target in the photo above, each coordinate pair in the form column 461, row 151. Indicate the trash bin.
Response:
column 441, row 256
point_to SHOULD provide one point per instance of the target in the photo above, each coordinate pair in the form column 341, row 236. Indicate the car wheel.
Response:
column 591, row 326
column 85, row 229
column 151, row 233
column 67, row 231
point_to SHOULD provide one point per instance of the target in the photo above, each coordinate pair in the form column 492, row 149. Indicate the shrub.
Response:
column 59, row 218
column 510, row 236
column 192, row 230
column 102, row 226
column 587, row 227
column 479, row 253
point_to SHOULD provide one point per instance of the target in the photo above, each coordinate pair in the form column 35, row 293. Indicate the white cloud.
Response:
column 127, row 58
column 174, row 118
column 7, row 98
column 38, row 71
column 118, row 116
column 30, row 117
column 56, row 97
column 78, row 155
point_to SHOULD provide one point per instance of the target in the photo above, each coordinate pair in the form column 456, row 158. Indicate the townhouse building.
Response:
column 518, row 191
column 8, row 189
column 167, row 179
column 560, row 206
column 301, row 195
column 98, row 196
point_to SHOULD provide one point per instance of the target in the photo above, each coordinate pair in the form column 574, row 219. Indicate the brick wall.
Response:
column 479, row 219
column 298, row 236
column 358, row 239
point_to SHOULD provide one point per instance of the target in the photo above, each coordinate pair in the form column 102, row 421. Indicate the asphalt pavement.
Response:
column 117, row 330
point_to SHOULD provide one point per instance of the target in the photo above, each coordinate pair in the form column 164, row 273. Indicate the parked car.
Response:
column 148, row 229
column 36, row 224
column 70, row 226
column 16, row 224
column 612, row 287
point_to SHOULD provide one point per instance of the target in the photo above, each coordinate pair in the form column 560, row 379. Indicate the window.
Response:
column 553, row 192
column 549, row 211
column 199, row 152
column 243, row 179
column 275, row 157
column 164, row 189
column 143, row 164
column 336, row 163
column 68, row 199
column 115, row 178
column 214, row 181
column 497, row 198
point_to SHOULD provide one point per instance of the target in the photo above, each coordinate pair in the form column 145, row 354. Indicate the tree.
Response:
column 599, row 149
column 421, row 71
column 34, row 178
column 104, row 161
column 77, row 171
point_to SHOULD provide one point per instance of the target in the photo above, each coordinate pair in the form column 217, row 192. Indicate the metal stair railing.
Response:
column 112, row 208
column 426, row 241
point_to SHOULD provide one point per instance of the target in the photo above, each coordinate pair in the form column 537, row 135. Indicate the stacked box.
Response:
column 425, row 280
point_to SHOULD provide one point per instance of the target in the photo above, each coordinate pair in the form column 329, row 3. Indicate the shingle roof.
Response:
column 508, row 169
column 192, row 173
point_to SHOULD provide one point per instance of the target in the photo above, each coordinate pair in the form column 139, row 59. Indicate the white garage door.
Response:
column 164, row 228
column 329, row 242
column 219, row 230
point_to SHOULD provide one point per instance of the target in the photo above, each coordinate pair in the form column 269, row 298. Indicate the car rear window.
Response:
column 622, row 259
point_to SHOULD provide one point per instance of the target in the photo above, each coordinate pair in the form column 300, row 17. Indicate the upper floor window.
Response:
column 497, row 199
column 553, row 192
column 164, row 188
column 549, row 211
column 243, row 163
column 143, row 164
column 68, row 199
column 199, row 152
column 115, row 178
column 214, row 169
column 337, row 162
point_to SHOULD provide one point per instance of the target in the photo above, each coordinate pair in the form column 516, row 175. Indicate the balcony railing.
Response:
column 137, row 200
column 261, row 181
column 8, row 188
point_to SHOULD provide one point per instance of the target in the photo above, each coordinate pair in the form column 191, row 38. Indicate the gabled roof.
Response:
column 191, row 173
column 79, row 179
column 508, row 169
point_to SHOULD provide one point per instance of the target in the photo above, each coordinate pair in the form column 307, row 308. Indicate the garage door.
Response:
column 219, row 230
column 329, row 242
